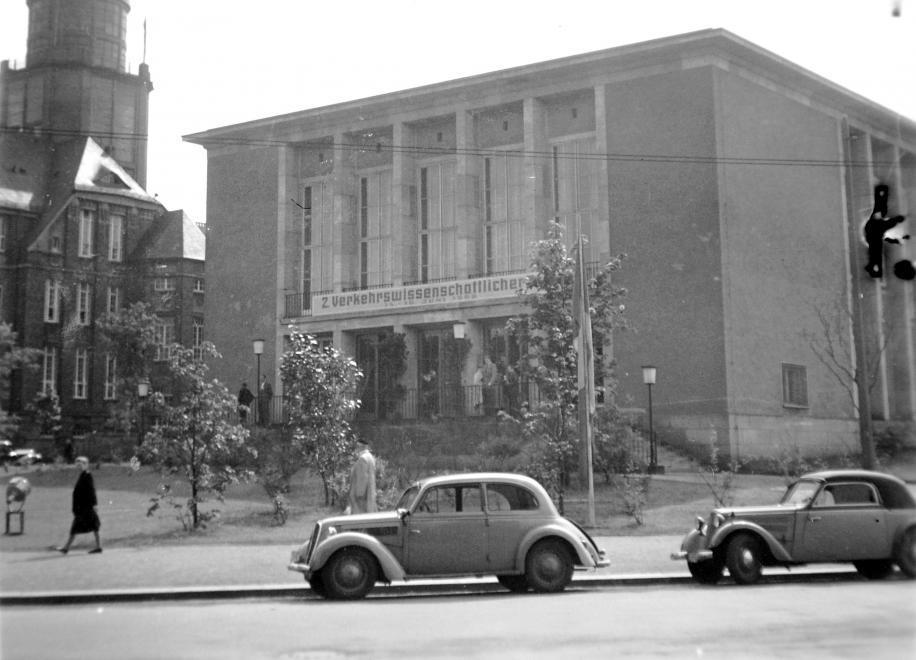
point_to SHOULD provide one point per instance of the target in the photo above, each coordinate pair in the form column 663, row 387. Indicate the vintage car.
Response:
column 867, row 518
column 461, row 524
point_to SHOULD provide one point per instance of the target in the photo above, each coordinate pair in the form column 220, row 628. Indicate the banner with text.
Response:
column 415, row 295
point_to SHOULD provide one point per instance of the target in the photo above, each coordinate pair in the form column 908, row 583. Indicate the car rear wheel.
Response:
column 706, row 572
column 874, row 569
column 349, row 574
column 515, row 583
column 317, row 585
column 548, row 567
column 743, row 558
column 906, row 553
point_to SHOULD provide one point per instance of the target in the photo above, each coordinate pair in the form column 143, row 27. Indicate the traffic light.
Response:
column 880, row 229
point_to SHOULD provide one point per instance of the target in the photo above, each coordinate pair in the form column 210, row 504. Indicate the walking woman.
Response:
column 85, row 508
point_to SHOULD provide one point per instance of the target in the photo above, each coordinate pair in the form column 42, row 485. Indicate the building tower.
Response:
column 76, row 82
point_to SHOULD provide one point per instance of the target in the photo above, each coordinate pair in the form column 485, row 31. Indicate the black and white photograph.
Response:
column 418, row 329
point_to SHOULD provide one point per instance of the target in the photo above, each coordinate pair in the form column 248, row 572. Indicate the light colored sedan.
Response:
column 461, row 524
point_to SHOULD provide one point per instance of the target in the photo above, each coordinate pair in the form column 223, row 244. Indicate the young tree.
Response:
column 319, row 393
column 197, row 435
column 129, row 335
column 548, row 330
column 12, row 357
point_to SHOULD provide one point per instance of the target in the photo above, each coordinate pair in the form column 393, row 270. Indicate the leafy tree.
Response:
column 196, row 435
column 12, row 357
column 319, row 386
column 130, row 335
column 547, row 331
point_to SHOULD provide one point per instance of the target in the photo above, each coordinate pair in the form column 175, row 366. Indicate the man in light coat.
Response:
column 362, row 480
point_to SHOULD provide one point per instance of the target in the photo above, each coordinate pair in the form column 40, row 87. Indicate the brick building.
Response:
column 79, row 234
column 735, row 181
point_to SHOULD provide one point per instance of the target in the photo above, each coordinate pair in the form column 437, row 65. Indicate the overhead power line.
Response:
column 378, row 147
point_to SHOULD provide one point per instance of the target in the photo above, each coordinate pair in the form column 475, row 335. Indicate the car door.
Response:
column 446, row 532
column 512, row 511
column 845, row 522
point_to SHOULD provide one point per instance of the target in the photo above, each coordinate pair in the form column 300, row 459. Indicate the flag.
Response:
column 584, row 347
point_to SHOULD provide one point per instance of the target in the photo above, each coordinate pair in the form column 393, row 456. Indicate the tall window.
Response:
column 316, row 242
column 375, row 229
column 81, row 374
column 87, row 229
column 505, row 240
column 198, row 338
column 575, row 187
column 794, row 386
column 111, row 377
column 115, row 237
column 83, row 303
column 437, row 230
column 114, row 300
column 164, row 284
column 49, row 370
column 165, row 336
column 52, row 301
column 4, row 230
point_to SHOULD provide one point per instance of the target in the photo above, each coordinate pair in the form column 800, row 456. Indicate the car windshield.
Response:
column 800, row 492
column 408, row 497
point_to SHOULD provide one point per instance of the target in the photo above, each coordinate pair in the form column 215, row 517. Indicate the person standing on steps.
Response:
column 85, row 508
column 265, row 394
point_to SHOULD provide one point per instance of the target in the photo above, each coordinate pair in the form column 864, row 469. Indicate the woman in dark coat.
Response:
column 85, row 503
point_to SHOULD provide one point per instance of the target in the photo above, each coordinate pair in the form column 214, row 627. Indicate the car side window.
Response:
column 509, row 497
column 853, row 493
column 463, row 498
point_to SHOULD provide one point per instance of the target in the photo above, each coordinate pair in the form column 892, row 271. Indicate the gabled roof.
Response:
column 40, row 176
column 174, row 236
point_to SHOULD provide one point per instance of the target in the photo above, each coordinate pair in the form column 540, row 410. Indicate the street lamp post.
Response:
column 142, row 393
column 648, row 377
column 258, row 345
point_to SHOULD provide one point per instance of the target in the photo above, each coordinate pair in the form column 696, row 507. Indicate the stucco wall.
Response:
column 664, row 216
column 242, row 261
column 784, row 242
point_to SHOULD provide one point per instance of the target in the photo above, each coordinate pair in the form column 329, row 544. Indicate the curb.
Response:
column 414, row 588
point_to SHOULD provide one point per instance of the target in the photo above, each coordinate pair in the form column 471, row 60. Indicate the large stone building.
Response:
column 79, row 234
column 735, row 181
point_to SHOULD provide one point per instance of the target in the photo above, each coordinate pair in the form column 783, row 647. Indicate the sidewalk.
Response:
column 232, row 571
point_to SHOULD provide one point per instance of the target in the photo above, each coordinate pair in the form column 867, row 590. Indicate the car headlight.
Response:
column 701, row 526
column 717, row 520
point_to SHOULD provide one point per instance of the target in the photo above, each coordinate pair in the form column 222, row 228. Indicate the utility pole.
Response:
column 860, row 365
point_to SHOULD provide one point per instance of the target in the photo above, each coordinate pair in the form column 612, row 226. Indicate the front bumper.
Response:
column 296, row 564
column 693, row 557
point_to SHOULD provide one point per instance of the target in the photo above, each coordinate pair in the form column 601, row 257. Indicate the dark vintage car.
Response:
column 867, row 518
column 462, row 524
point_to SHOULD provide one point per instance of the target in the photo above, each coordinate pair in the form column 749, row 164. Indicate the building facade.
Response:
column 735, row 182
column 79, row 234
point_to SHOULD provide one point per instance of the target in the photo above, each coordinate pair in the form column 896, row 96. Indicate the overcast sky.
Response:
column 219, row 62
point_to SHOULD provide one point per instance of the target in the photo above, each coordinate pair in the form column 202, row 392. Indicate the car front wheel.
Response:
column 548, row 567
column 317, row 585
column 515, row 583
column 706, row 572
column 906, row 553
column 874, row 569
column 743, row 559
column 349, row 574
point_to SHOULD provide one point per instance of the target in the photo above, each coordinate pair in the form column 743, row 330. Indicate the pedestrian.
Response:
column 362, row 480
column 490, row 376
column 85, row 508
column 265, row 394
column 245, row 399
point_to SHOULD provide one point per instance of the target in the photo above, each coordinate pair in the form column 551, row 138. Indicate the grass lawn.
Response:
column 246, row 515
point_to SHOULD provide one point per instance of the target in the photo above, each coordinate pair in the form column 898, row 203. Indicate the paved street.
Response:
column 824, row 620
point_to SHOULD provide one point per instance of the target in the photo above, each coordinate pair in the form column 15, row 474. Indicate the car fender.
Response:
column 535, row 535
column 391, row 567
column 777, row 549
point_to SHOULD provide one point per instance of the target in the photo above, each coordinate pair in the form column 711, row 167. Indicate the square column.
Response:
column 537, row 167
column 467, row 198
column 404, row 211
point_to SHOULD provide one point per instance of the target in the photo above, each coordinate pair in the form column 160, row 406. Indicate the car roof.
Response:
column 504, row 477
column 894, row 491
column 855, row 475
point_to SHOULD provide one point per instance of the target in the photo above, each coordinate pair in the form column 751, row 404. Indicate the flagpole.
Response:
column 585, row 371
